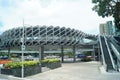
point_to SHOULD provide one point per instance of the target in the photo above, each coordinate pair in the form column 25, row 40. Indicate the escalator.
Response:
column 106, row 55
column 115, row 45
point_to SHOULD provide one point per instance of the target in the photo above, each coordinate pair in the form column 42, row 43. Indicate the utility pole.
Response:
column 23, row 49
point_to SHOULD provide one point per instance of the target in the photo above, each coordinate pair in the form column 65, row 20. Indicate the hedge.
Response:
column 86, row 59
column 19, row 64
column 5, row 61
column 12, row 65
column 50, row 60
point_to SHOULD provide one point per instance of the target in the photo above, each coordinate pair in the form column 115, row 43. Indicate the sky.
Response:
column 75, row 14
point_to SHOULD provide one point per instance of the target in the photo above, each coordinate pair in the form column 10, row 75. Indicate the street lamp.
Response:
column 23, row 49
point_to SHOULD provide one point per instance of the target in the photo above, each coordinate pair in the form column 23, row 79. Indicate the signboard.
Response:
column 23, row 47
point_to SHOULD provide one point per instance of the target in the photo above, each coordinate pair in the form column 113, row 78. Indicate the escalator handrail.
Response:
column 115, row 51
column 104, row 63
column 115, row 48
column 106, row 42
column 114, row 42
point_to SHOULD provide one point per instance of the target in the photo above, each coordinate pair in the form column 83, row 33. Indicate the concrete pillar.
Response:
column 9, row 57
column 41, row 53
column 118, row 65
column 93, row 54
column 74, row 54
column 62, row 54
column 99, row 57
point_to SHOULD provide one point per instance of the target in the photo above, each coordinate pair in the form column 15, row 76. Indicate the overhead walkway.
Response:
column 38, row 38
column 106, row 55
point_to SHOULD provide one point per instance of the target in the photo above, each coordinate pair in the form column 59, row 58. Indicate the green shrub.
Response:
column 19, row 64
column 53, row 60
column 86, row 59
column 50, row 60
column 45, row 61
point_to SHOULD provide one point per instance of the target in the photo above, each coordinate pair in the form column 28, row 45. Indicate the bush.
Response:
column 19, row 64
column 5, row 61
column 53, row 60
column 50, row 60
column 45, row 61
column 86, row 59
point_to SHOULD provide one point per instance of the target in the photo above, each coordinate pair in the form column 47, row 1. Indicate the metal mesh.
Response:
column 43, row 35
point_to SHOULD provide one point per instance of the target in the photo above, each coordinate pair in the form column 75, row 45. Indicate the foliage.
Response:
column 87, row 53
column 5, row 61
column 53, row 60
column 50, row 60
column 13, row 55
column 45, row 61
column 3, row 54
column 107, row 8
column 28, row 63
column 70, row 54
column 19, row 64
column 86, row 59
column 15, row 59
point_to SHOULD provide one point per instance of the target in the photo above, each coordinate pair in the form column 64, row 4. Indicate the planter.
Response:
column 54, row 65
column 44, row 64
column 6, row 71
column 31, row 70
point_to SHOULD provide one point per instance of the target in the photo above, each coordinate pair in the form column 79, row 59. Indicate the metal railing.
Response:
column 103, row 58
column 115, row 47
column 113, row 64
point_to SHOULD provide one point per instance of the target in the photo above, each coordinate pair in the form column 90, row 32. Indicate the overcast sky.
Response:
column 76, row 14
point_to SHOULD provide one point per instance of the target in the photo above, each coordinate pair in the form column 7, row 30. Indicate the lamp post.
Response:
column 23, row 49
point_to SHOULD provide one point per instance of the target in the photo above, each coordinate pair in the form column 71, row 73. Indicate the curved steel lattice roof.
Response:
column 42, row 35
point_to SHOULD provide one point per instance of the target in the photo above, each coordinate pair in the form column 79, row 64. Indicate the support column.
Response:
column 62, row 54
column 9, row 57
column 41, row 53
column 118, row 65
column 99, row 53
column 74, row 51
column 93, row 54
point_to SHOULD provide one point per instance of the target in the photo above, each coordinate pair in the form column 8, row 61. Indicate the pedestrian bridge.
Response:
column 41, row 38
column 49, row 39
column 43, row 35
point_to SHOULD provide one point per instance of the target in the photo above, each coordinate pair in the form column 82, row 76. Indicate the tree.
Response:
column 106, row 8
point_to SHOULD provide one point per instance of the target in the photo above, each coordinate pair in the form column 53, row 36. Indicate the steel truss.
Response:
column 43, row 35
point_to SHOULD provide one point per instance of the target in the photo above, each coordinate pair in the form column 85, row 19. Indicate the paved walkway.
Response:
column 72, row 71
column 76, row 71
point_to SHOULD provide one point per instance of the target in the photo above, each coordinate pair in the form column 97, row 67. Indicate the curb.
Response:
column 10, row 77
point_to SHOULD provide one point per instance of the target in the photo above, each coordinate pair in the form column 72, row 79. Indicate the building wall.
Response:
column 106, row 28
column 110, row 26
column 101, row 28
